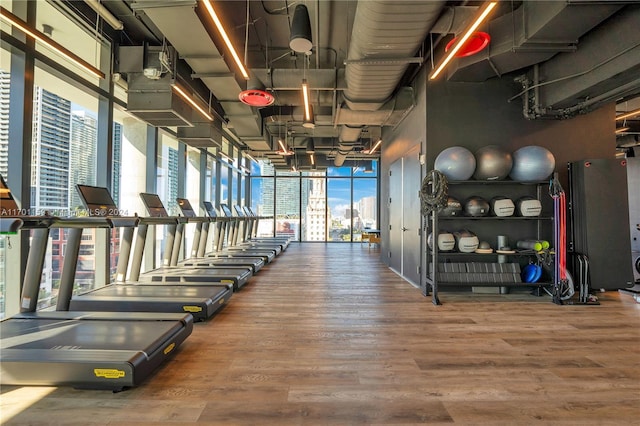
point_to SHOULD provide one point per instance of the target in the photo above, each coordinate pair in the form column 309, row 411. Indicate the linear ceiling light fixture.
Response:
column 622, row 130
column 311, row 122
column 305, row 98
column 628, row 115
column 484, row 12
column 283, row 149
column 43, row 39
column 184, row 95
column 372, row 150
column 212, row 13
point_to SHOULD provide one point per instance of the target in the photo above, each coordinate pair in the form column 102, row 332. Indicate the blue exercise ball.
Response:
column 456, row 163
column 532, row 163
column 492, row 163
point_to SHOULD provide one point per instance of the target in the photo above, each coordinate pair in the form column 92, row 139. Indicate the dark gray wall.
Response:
column 396, row 142
column 474, row 115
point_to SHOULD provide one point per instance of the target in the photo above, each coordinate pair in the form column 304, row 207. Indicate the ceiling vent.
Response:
column 155, row 102
column 202, row 135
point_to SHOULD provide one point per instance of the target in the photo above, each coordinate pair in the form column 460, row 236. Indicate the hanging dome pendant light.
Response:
column 300, row 36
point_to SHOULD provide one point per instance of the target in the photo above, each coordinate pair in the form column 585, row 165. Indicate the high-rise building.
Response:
column 117, row 162
column 316, row 210
column 82, row 154
column 5, row 80
column 50, row 151
column 172, row 183
column 368, row 211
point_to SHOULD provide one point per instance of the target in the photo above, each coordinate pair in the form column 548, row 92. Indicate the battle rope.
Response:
column 433, row 193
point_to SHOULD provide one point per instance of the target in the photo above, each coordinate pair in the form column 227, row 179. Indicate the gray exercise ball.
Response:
column 492, row 163
column 532, row 163
column 456, row 163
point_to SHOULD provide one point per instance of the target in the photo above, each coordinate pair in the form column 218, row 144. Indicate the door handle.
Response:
column 404, row 229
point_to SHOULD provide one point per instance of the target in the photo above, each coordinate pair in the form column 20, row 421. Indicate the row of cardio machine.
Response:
column 115, row 336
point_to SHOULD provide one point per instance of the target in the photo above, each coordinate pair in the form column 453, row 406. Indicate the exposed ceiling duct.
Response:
column 179, row 22
column 386, row 35
column 605, row 68
column 151, row 73
column 533, row 33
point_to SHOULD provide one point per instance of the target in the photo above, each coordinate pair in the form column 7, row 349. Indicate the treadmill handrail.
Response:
column 153, row 220
column 81, row 222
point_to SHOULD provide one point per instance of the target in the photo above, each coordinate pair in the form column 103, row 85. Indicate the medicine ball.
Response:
column 532, row 163
column 476, row 206
column 528, row 206
column 492, row 163
column 466, row 241
column 453, row 208
column 456, row 163
column 446, row 241
column 502, row 206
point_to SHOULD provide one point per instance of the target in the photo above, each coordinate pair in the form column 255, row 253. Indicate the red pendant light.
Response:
column 256, row 98
column 478, row 41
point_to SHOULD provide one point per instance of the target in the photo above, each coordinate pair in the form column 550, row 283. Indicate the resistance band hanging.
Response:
column 560, row 236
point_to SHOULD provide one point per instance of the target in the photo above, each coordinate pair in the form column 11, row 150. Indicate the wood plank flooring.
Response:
column 327, row 335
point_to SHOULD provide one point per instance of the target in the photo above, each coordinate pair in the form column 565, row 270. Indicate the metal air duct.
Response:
column 386, row 35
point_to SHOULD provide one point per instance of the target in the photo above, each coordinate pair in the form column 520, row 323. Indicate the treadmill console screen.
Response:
column 97, row 200
column 209, row 208
column 185, row 207
column 154, row 205
column 239, row 211
column 227, row 211
column 8, row 205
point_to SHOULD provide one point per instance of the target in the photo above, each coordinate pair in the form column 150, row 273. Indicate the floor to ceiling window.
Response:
column 5, row 240
column 287, row 204
column 331, row 205
column 63, row 154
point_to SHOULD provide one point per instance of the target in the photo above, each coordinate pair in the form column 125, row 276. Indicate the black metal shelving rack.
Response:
column 433, row 224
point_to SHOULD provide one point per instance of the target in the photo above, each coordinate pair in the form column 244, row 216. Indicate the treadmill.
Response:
column 253, row 229
column 171, row 272
column 239, row 226
column 248, row 229
column 200, row 301
column 226, row 229
column 201, row 235
column 90, row 350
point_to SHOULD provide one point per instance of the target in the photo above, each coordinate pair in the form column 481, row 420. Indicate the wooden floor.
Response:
column 327, row 335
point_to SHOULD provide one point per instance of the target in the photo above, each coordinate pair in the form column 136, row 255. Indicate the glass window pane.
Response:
column 54, row 20
column 314, row 208
column 64, row 143
column 167, row 173
column 288, row 207
column 167, row 185
column 5, row 90
column 192, row 193
column 262, row 204
column 367, row 169
column 338, row 171
column 339, row 209
column 365, row 206
column 224, row 182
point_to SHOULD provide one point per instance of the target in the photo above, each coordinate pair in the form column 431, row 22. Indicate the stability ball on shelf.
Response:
column 492, row 163
column 532, row 163
column 456, row 163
